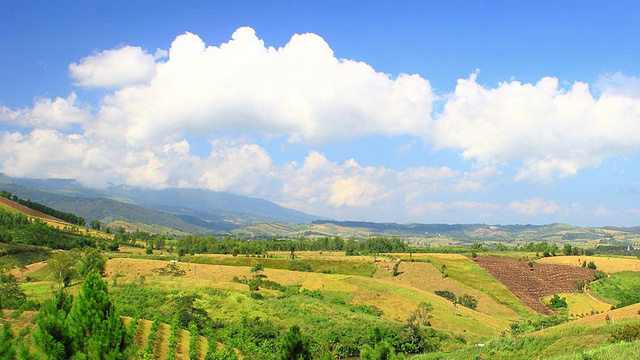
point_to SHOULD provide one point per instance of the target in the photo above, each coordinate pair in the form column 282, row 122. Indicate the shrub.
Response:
column 316, row 294
column 446, row 294
column 468, row 301
column 557, row 302
column 298, row 266
column 627, row 333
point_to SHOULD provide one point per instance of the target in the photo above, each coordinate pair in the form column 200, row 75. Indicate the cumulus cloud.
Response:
column 300, row 90
column 41, row 154
column 59, row 113
column 129, row 65
column 550, row 132
column 535, row 206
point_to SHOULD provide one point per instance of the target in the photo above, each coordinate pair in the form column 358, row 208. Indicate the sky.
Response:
column 495, row 112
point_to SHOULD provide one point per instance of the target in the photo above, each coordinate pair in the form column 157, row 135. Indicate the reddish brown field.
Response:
column 530, row 285
column 24, row 209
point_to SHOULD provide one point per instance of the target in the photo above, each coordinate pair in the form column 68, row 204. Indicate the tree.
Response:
column 62, row 266
column 11, row 296
column 557, row 302
column 94, row 323
column 295, row 346
column 7, row 351
column 52, row 334
column 95, row 225
column 90, row 261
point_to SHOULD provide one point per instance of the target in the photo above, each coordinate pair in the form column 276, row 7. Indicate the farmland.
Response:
column 530, row 281
column 179, row 304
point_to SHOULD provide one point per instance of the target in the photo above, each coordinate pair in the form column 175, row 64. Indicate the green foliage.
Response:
column 22, row 229
column 316, row 294
column 95, row 225
column 193, row 341
column 468, row 301
column 537, row 323
column 620, row 288
column 558, row 303
column 446, row 294
column 299, row 266
column 95, row 324
column 257, row 267
column 7, row 350
column 173, row 339
column 295, row 346
column 170, row 270
column 63, row 268
column 52, row 334
column 90, row 261
column 591, row 265
column 11, row 295
column 68, row 217
column 395, row 268
column 627, row 333
column 151, row 339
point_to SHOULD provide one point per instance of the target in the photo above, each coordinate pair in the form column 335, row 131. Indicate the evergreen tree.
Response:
column 91, row 260
column 295, row 346
column 52, row 334
column 11, row 296
column 7, row 351
column 97, row 330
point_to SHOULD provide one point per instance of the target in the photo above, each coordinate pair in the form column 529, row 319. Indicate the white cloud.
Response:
column 115, row 68
column 535, row 206
column 48, row 114
column 550, row 131
column 300, row 90
column 41, row 154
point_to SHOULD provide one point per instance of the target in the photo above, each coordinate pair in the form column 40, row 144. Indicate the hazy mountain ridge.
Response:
column 186, row 210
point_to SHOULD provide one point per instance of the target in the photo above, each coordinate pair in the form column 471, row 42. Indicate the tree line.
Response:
column 65, row 216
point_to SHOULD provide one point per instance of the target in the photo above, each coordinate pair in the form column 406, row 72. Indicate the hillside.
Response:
column 345, row 305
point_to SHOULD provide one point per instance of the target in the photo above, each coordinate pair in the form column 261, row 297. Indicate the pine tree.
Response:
column 52, row 334
column 7, row 351
column 97, row 330
column 295, row 346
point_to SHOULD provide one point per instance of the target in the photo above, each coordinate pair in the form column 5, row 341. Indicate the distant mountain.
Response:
column 186, row 210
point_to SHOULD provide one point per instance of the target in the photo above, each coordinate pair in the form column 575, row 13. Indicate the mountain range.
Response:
column 182, row 210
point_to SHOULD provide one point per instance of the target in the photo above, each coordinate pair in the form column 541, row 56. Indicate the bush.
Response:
column 447, row 295
column 316, row 294
column 297, row 266
column 558, row 303
column 468, row 301
column 627, row 333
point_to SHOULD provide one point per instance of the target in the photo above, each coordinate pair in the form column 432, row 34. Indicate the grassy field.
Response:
column 581, row 304
column 608, row 264
column 622, row 288
column 337, row 304
column 463, row 270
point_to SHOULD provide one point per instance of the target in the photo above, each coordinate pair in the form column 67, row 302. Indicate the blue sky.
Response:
column 428, row 111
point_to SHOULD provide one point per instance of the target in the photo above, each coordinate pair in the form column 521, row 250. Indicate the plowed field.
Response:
column 528, row 284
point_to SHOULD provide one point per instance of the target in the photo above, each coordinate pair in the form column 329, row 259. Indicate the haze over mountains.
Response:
column 186, row 210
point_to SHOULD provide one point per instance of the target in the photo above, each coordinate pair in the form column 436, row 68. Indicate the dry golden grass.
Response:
column 581, row 304
column 397, row 297
column 425, row 276
column 606, row 264
column 627, row 312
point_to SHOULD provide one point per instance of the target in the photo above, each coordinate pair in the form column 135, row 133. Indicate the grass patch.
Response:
column 620, row 288
column 356, row 267
column 467, row 272
column 581, row 304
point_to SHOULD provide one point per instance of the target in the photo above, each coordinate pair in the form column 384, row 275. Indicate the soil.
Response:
column 530, row 284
